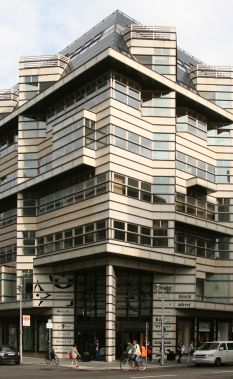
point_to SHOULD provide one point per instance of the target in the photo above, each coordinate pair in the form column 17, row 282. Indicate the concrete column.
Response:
column 110, row 313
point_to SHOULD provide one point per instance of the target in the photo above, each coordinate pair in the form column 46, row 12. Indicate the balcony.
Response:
column 149, row 32
column 8, row 100
column 41, row 61
column 202, row 70
column 9, row 95
column 195, row 207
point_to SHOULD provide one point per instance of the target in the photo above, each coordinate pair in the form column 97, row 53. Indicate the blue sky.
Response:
column 34, row 27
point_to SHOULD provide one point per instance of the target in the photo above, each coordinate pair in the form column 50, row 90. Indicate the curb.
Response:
column 91, row 368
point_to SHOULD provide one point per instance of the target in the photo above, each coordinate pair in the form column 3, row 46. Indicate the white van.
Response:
column 216, row 352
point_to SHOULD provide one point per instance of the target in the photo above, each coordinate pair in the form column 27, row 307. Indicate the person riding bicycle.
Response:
column 136, row 351
column 52, row 353
column 129, row 348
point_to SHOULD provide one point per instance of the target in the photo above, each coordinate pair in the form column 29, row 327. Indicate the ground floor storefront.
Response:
column 113, row 302
column 204, row 327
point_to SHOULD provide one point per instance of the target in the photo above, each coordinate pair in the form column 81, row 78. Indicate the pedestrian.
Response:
column 190, row 352
column 149, row 350
column 179, row 350
column 75, row 355
column 97, row 350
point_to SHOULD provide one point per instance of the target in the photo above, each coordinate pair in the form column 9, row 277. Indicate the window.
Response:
column 67, row 239
column 230, row 345
column 90, row 295
column 31, row 79
column 126, row 94
column 134, row 294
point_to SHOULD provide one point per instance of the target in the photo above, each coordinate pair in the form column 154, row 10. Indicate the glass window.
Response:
column 160, row 242
column 68, row 233
column 146, row 142
column 134, row 93
column 58, row 236
column 120, row 132
column 120, row 143
column 132, row 228
column 121, row 97
column 132, row 192
column 146, row 186
column 119, row 235
column 120, row 87
column 133, row 148
column 101, row 235
column 161, row 155
column 133, row 182
column 145, row 196
column 133, row 137
column 119, row 225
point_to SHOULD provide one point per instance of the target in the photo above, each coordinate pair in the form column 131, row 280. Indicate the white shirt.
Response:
column 136, row 349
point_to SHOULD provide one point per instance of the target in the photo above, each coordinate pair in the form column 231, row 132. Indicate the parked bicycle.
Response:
column 128, row 363
column 51, row 358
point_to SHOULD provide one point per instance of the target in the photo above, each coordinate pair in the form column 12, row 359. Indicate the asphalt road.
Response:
column 38, row 372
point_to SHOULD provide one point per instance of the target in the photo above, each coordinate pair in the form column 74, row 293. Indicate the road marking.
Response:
column 221, row 372
column 154, row 376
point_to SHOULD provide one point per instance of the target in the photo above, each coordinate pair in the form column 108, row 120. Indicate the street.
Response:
column 37, row 372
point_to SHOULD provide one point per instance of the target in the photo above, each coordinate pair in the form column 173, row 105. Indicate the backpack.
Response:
column 143, row 352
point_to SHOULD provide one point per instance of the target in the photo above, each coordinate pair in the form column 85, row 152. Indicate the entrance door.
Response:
column 43, row 337
column 184, row 332
column 223, row 330
column 86, row 336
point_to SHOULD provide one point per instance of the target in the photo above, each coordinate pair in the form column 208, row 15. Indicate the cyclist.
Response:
column 129, row 347
column 136, row 351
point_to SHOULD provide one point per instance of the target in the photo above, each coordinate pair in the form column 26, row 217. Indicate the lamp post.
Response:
column 163, row 290
column 20, row 289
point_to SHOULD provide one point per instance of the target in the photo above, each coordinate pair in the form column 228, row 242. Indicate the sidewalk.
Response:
column 97, row 365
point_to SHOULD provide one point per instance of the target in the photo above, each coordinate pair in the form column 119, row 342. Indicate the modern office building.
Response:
column 116, row 162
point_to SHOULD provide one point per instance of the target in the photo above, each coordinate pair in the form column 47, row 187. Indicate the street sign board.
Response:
column 26, row 320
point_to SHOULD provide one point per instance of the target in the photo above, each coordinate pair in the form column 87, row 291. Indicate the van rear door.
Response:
column 223, row 353
column 230, row 352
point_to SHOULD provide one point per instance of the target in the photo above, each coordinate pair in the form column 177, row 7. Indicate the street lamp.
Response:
column 163, row 290
column 20, row 289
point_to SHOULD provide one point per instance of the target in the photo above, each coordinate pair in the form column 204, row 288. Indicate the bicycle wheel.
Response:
column 124, row 364
column 47, row 359
column 56, row 360
column 142, row 364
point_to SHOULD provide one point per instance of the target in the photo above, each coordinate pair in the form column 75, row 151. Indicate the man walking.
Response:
column 97, row 350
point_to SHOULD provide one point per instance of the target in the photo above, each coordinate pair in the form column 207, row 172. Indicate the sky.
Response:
column 38, row 27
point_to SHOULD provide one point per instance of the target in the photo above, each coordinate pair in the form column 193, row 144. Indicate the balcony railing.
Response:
column 195, row 207
column 210, row 299
column 9, row 94
column 149, row 32
column 202, row 70
column 58, row 60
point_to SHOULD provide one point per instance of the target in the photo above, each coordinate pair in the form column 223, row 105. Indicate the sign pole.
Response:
column 49, row 326
column 20, row 288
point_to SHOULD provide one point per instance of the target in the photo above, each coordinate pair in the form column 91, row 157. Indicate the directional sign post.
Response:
column 49, row 326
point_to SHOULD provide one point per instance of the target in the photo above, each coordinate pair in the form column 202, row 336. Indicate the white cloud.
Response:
column 31, row 27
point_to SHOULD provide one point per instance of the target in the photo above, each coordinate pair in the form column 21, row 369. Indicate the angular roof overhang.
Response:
column 112, row 59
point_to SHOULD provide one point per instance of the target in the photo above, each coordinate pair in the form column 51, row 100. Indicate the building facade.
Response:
column 115, row 176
